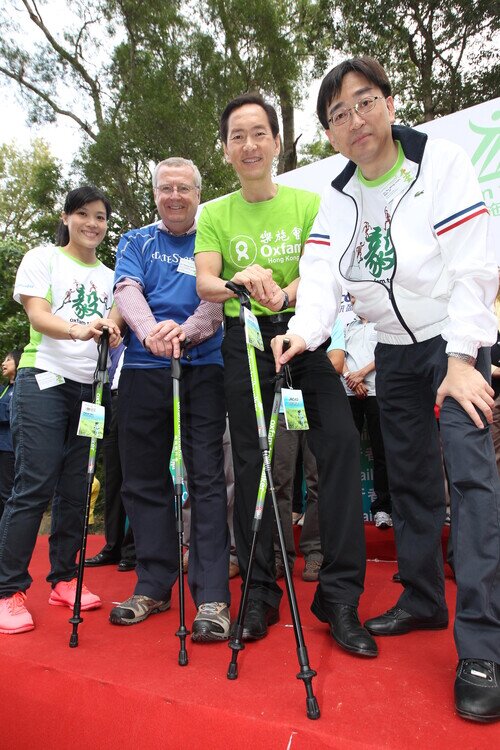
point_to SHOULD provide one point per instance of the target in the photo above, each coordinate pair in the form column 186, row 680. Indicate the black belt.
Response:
column 273, row 319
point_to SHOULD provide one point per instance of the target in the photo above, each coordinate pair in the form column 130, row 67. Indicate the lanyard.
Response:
column 4, row 391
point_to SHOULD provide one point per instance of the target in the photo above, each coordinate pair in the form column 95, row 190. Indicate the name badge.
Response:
column 187, row 265
column 91, row 422
column 295, row 413
column 253, row 335
column 48, row 380
column 397, row 185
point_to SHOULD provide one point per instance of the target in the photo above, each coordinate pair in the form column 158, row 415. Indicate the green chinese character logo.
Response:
column 488, row 150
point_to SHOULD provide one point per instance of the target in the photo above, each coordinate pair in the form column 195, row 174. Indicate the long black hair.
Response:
column 75, row 199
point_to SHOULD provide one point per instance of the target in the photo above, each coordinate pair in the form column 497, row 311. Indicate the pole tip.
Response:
column 312, row 708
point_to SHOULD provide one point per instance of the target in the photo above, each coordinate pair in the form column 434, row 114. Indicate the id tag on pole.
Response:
column 253, row 335
column 293, row 406
column 91, row 422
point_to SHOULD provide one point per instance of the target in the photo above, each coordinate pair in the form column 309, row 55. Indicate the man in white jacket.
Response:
column 403, row 227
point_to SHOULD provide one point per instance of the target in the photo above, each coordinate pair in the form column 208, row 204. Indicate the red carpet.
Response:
column 122, row 688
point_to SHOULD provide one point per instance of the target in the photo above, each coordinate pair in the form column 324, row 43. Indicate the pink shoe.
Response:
column 63, row 595
column 14, row 617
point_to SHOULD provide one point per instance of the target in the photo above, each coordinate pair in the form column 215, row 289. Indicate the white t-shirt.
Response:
column 78, row 293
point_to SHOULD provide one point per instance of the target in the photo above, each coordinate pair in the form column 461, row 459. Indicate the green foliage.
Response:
column 30, row 196
column 440, row 57
column 316, row 150
column 14, row 326
column 30, row 184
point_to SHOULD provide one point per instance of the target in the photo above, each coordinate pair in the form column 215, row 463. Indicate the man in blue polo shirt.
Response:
column 155, row 290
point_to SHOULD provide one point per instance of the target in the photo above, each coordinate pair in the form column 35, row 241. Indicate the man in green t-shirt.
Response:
column 255, row 237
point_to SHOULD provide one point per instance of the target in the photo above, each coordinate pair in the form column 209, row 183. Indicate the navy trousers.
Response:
column 407, row 381
column 145, row 429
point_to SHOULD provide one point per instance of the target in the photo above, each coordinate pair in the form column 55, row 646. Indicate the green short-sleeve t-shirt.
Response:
column 270, row 233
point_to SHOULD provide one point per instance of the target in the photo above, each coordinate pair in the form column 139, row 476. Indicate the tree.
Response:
column 30, row 197
column 30, row 187
column 274, row 46
column 148, row 80
column 14, row 326
column 441, row 57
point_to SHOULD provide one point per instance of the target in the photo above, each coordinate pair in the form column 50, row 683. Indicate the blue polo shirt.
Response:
column 163, row 264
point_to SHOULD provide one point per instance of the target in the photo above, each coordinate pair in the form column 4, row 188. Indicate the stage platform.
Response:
column 122, row 688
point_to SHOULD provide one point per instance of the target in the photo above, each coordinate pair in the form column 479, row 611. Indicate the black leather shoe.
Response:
column 397, row 577
column 102, row 558
column 477, row 690
column 398, row 622
column 258, row 617
column 345, row 626
column 125, row 565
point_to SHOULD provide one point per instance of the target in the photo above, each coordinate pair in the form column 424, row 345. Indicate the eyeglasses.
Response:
column 181, row 189
column 365, row 105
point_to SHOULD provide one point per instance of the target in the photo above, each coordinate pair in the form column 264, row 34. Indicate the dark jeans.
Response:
column 333, row 440
column 407, row 380
column 367, row 408
column 51, row 464
column 145, row 425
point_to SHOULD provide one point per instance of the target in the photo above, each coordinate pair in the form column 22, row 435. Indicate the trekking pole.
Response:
column 266, row 444
column 100, row 376
column 182, row 632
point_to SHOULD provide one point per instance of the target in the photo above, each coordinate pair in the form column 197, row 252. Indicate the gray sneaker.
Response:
column 212, row 622
column 136, row 609
column 311, row 570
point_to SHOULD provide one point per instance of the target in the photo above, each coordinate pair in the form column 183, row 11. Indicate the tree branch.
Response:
column 22, row 81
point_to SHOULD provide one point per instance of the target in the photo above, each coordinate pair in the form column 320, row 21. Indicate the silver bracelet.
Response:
column 468, row 358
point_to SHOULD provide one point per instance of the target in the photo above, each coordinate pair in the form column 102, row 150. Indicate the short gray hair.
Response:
column 178, row 161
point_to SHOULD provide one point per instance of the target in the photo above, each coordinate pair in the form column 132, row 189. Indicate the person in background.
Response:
column 9, row 371
column 67, row 294
column 359, row 383
column 119, row 548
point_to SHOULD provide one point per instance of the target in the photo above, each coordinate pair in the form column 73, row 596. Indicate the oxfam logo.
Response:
column 242, row 251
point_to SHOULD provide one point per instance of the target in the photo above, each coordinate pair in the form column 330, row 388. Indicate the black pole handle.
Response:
column 241, row 292
column 175, row 362
column 103, row 348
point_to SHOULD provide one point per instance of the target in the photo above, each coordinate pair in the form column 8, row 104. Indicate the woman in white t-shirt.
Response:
column 67, row 294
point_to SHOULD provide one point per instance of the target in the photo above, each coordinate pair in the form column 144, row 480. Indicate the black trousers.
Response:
column 334, row 442
column 145, row 425
column 367, row 408
column 119, row 544
column 407, row 380
column 7, row 473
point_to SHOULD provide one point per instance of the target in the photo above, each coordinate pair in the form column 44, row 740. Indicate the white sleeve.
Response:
column 319, row 293
column 33, row 274
column 461, row 226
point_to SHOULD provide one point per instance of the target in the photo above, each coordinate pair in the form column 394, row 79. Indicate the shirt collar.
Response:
column 164, row 228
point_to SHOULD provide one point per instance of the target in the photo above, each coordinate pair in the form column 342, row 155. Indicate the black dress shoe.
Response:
column 398, row 622
column 258, row 617
column 125, row 565
column 397, row 577
column 102, row 558
column 477, row 690
column 345, row 626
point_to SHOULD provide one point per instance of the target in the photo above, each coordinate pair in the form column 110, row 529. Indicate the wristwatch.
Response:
column 286, row 302
column 468, row 358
